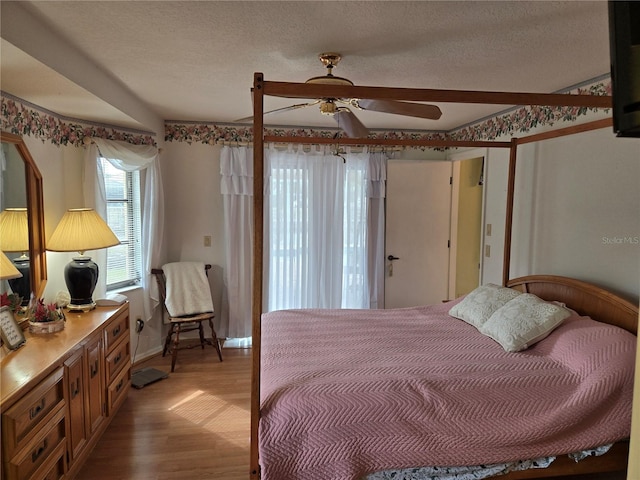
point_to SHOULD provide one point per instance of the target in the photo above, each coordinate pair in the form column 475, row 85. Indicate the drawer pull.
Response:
column 36, row 453
column 119, row 386
column 94, row 369
column 117, row 359
column 116, row 331
column 35, row 411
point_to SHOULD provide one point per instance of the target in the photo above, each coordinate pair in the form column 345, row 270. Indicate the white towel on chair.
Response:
column 188, row 289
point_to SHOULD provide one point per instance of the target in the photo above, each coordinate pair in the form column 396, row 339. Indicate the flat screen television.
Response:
column 624, row 43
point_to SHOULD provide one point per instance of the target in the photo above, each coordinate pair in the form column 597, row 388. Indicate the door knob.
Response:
column 391, row 258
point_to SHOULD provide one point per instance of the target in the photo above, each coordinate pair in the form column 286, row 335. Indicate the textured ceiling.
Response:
column 195, row 61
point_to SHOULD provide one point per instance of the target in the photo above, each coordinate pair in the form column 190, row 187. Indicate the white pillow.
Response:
column 523, row 321
column 479, row 305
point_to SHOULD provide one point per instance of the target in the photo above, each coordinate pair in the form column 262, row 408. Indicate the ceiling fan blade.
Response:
column 280, row 110
column 420, row 110
column 350, row 124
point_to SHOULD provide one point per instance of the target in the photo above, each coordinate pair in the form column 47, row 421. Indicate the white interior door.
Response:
column 418, row 216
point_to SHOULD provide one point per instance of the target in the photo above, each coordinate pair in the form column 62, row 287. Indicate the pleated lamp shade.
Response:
column 81, row 229
column 14, row 237
column 14, row 230
column 8, row 270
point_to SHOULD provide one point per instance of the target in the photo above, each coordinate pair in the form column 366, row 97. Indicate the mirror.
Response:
column 22, row 188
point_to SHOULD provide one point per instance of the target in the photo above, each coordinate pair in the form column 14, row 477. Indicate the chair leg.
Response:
column 174, row 349
column 167, row 340
column 201, row 332
column 214, row 339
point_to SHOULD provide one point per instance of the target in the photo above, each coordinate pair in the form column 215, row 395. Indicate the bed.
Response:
column 350, row 392
column 604, row 308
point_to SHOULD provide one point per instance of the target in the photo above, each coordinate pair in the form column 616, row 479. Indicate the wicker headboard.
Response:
column 585, row 298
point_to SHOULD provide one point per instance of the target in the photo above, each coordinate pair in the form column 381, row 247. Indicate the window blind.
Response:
column 124, row 261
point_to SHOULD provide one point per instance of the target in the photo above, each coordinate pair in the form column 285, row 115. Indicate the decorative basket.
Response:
column 46, row 327
column 45, row 318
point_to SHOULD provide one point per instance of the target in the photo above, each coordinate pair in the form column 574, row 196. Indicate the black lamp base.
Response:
column 22, row 285
column 81, row 276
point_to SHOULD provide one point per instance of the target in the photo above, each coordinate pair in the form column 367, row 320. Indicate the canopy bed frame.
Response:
column 585, row 298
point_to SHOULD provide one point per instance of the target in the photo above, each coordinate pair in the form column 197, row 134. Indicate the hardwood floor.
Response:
column 193, row 425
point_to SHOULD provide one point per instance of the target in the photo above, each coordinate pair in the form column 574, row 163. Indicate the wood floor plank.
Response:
column 194, row 424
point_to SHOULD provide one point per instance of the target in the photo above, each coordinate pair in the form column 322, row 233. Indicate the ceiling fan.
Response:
column 343, row 115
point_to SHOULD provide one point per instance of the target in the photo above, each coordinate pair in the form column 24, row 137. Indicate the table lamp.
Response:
column 81, row 229
column 14, row 238
column 8, row 271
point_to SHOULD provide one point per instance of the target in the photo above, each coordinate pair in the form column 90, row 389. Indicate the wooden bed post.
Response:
column 256, row 305
column 506, row 264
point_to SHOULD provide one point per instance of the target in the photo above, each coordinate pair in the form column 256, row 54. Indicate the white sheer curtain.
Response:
column 323, row 232
column 236, row 170
column 376, row 181
column 324, row 228
column 129, row 157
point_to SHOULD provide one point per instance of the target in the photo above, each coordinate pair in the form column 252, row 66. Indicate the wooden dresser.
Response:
column 60, row 391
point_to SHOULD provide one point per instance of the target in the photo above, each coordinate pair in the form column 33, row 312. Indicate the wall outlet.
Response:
column 139, row 325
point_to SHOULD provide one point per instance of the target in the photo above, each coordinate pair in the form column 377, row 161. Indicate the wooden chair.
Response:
column 183, row 324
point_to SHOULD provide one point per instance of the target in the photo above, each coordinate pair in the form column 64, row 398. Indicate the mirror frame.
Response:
column 35, row 214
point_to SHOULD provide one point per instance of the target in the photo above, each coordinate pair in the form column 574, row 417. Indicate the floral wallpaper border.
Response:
column 524, row 119
column 194, row 132
column 22, row 118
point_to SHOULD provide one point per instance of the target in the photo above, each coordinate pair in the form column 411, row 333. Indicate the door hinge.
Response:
column 448, row 243
column 450, row 180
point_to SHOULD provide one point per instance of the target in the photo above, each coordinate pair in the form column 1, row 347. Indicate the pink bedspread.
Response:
column 349, row 392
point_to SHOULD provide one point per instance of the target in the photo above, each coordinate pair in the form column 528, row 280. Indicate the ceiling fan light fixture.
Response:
column 328, row 107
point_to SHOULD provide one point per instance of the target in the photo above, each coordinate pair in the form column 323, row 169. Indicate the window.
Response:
column 124, row 261
column 317, row 228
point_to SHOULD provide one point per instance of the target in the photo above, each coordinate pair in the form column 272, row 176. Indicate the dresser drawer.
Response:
column 44, row 447
column 117, row 328
column 54, row 467
column 33, row 410
column 117, row 391
column 117, row 359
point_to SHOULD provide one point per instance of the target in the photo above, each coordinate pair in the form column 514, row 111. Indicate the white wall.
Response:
column 193, row 203
column 495, row 184
column 575, row 196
